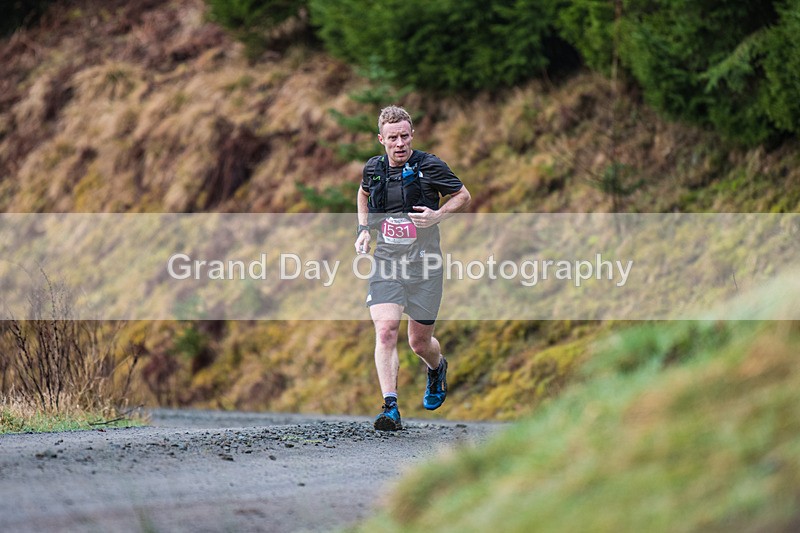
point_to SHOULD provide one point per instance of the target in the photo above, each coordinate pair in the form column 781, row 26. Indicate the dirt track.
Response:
column 208, row 471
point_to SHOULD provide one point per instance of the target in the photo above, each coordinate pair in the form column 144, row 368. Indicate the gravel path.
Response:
column 212, row 471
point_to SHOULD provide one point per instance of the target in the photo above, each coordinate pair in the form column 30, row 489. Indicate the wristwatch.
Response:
column 361, row 227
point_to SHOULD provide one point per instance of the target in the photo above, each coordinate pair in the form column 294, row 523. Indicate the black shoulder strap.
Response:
column 417, row 157
column 382, row 166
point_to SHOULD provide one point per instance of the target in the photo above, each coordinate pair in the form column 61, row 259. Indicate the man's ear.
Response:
column 380, row 138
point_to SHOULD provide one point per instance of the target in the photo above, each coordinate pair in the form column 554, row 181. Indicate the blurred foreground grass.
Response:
column 672, row 427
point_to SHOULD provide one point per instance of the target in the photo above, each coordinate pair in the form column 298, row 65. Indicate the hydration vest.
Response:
column 412, row 184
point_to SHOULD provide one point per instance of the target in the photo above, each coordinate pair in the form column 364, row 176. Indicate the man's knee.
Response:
column 387, row 332
column 419, row 343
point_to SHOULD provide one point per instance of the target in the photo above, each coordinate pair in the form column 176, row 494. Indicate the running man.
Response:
column 399, row 197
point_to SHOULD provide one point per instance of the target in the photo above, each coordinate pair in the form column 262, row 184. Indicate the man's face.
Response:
column 396, row 139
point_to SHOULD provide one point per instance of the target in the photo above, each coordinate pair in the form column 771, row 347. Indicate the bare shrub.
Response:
column 56, row 364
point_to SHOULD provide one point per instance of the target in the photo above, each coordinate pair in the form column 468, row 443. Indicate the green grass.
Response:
column 673, row 427
column 15, row 420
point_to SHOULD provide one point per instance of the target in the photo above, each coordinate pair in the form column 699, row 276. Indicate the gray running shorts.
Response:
column 420, row 297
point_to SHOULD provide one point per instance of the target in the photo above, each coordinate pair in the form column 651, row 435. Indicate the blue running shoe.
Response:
column 389, row 419
column 436, row 391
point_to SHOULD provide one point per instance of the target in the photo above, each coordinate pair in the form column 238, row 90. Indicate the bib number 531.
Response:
column 398, row 231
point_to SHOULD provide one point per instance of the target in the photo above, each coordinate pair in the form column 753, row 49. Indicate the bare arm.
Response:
column 362, row 242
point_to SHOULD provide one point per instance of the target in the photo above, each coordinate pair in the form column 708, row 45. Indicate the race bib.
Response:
column 398, row 231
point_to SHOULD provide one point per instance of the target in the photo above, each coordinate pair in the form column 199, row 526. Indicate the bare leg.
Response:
column 386, row 318
column 424, row 344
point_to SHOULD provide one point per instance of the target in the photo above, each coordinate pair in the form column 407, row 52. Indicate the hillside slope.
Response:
column 145, row 107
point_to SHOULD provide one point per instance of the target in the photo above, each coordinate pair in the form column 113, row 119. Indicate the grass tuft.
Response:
column 19, row 416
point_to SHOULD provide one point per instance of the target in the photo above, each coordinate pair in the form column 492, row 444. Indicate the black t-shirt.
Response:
column 436, row 180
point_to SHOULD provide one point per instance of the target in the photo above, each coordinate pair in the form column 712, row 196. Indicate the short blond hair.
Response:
column 392, row 115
